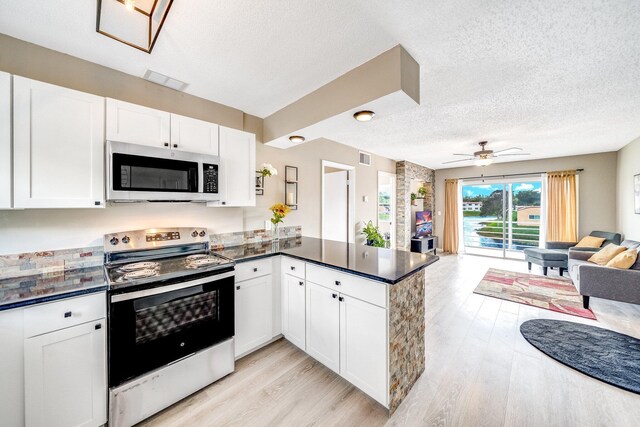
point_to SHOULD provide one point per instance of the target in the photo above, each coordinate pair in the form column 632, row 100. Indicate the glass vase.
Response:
column 275, row 232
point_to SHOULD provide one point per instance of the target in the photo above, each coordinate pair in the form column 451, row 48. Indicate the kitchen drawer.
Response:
column 293, row 267
column 348, row 284
column 252, row 269
column 53, row 316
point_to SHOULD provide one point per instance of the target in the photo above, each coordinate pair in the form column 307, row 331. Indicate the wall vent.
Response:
column 365, row 158
column 163, row 80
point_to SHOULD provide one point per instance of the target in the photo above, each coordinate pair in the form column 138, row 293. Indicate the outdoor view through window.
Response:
column 501, row 218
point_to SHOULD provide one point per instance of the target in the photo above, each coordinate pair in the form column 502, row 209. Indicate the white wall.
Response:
column 628, row 166
column 45, row 229
column 597, row 188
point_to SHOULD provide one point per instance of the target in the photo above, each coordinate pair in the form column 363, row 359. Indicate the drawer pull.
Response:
column 337, row 283
column 301, row 283
column 255, row 269
column 98, row 326
column 67, row 314
column 292, row 267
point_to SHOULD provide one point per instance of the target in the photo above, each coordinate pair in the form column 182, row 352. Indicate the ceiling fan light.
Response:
column 483, row 161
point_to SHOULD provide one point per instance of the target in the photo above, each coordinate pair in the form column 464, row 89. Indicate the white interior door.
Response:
column 336, row 213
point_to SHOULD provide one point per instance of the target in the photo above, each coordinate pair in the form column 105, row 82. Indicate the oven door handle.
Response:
column 170, row 288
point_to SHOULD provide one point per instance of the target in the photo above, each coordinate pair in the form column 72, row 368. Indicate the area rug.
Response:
column 602, row 354
column 556, row 294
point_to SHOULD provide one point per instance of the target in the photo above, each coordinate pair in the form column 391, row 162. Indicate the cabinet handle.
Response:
column 255, row 269
column 67, row 314
column 166, row 144
column 292, row 267
column 334, row 295
column 175, row 145
column 98, row 326
column 223, row 203
column 238, row 287
column 341, row 299
column 301, row 283
column 337, row 283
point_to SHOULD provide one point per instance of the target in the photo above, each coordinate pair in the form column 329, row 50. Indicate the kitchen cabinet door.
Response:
column 237, row 168
column 5, row 141
column 192, row 135
column 323, row 325
column 363, row 347
column 136, row 124
column 12, row 368
column 65, row 377
column 293, row 313
column 253, row 314
column 58, row 142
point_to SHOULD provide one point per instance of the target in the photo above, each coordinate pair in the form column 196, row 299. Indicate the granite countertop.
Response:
column 28, row 290
column 384, row 265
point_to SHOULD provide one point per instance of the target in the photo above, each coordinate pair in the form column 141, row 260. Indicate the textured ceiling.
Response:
column 553, row 77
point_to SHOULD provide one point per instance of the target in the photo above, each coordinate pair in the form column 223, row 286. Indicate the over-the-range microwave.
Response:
column 138, row 173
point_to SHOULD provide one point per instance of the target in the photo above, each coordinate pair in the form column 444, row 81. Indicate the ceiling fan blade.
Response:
column 514, row 154
column 456, row 161
column 458, row 154
column 507, row 149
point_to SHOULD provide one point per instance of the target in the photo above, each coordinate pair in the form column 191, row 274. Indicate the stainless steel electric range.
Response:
column 171, row 319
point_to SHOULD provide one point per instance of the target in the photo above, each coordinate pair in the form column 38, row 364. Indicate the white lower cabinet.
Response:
column 293, row 313
column 363, row 347
column 323, row 325
column 253, row 312
column 65, row 381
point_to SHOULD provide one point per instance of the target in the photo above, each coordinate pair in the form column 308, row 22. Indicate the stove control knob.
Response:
column 202, row 233
column 114, row 240
column 125, row 239
column 194, row 234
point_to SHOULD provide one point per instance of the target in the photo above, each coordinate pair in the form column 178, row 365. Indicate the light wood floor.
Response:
column 480, row 372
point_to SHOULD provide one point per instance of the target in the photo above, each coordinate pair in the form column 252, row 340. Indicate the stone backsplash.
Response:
column 55, row 261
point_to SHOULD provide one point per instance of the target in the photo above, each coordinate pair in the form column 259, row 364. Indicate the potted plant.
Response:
column 267, row 170
column 422, row 191
column 413, row 199
column 372, row 233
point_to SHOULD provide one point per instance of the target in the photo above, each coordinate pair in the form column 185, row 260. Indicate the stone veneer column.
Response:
column 405, row 173
column 406, row 337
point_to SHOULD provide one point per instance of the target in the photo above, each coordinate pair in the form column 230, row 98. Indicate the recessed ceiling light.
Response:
column 296, row 139
column 364, row 115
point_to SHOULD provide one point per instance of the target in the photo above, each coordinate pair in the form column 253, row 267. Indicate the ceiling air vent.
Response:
column 163, row 80
column 365, row 158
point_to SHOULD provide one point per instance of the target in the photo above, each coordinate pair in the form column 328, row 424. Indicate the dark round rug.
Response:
column 602, row 354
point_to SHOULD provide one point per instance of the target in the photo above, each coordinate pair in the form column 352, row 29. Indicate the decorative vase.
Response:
column 275, row 232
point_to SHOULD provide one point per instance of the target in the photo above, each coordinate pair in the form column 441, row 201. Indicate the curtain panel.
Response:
column 562, row 209
column 451, row 236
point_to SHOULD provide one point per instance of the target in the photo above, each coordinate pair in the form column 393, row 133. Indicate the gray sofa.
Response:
column 593, row 280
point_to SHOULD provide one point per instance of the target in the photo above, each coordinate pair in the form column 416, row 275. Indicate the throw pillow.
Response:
column 590, row 242
column 606, row 254
column 624, row 260
column 636, row 265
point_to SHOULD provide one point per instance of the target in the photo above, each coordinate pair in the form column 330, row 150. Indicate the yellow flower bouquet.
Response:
column 280, row 210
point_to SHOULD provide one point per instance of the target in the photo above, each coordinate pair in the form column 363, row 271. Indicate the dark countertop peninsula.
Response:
column 384, row 265
column 28, row 290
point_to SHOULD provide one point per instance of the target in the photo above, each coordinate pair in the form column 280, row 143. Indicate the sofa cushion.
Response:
column 590, row 242
column 606, row 254
column 624, row 260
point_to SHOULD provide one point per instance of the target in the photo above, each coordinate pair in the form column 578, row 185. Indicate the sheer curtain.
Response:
column 451, row 235
column 562, row 207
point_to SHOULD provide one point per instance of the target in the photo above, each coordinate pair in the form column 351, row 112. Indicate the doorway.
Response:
column 387, row 207
column 502, row 218
column 338, row 202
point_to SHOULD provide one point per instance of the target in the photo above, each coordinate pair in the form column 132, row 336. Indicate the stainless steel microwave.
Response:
column 138, row 173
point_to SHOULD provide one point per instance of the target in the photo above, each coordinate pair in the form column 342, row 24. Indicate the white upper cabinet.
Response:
column 5, row 140
column 193, row 135
column 58, row 142
column 137, row 124
column 238, row 165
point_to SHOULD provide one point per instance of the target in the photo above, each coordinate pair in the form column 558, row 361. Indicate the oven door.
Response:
column 154, row 327
column 142, row 173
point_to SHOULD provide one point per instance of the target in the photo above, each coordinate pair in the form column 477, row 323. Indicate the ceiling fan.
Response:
column 485, row 157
